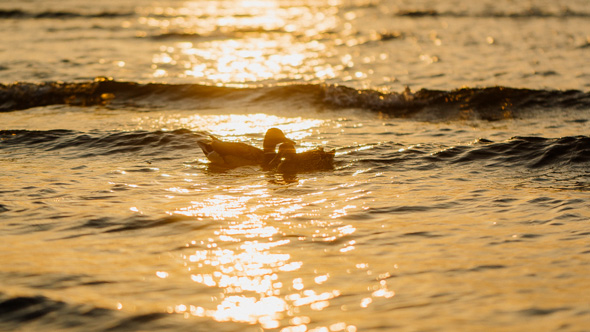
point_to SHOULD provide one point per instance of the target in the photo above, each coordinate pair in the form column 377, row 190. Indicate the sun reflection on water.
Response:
column 232, row 207
column 254, row 60
column 233, row 126
column 244, row 42
column 249, row 260
column 248, row 272
column 248, row 124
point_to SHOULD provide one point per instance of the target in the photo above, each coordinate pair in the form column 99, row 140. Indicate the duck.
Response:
column 236, row 154
column 288, row 161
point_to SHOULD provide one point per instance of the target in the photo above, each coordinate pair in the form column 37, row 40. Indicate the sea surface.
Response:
column 459, row 201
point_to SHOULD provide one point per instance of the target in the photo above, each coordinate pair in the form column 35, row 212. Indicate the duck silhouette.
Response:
column 288, row 161
column 236, row 154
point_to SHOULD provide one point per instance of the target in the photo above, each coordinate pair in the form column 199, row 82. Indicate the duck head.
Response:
column 286, row 152
column 274, row 137
column 287, row 149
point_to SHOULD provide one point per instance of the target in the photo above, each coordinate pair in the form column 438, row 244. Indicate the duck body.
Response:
column 230, row 154
column 236, row 154
column 288, row 161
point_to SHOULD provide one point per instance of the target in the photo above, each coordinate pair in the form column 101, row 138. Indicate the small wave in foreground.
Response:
column 82, row 145
column 528, row 152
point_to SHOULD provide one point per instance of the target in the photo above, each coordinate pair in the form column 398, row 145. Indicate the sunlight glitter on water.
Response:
column 248, row 124
column 256, row 59
column 253, row 41
column 231, row 127
column 250, row 259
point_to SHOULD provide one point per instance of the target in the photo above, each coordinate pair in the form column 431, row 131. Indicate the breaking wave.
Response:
column 532, row 12
column 491, row 103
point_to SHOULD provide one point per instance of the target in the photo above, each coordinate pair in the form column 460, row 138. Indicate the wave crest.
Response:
column 532, row 152
column 22, row 14
column 532, row 12
column 81, row 145
column 491, row 103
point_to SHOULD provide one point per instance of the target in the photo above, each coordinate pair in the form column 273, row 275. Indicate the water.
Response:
column 459, row 199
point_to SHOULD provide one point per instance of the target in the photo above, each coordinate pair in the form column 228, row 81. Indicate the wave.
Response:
column 82, row 145
column 491, row 103
column 532, row 12
column 527, row 152
column 22, row 14
column 37, row 312
column 517, row 152
column 531, row 152
column 233, row 32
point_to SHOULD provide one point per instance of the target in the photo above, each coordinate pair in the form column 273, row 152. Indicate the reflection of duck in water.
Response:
column 288, row 161
column 235, row 154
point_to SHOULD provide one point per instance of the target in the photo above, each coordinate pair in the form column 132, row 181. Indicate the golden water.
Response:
column 407, row 245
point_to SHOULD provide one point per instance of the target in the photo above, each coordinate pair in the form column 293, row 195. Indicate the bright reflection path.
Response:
column 247, row 260
column 232, row 126
column 253, row 60
column 244, row 42
column 239, row 125
column 252, row 260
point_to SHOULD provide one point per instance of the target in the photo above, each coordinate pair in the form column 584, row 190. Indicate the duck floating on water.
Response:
column 288, row 161
column 236, row 154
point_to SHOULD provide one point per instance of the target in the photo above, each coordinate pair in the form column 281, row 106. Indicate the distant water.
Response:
column 459, row 200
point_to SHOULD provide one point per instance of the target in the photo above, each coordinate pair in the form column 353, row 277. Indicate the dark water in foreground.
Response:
column 459, row 200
